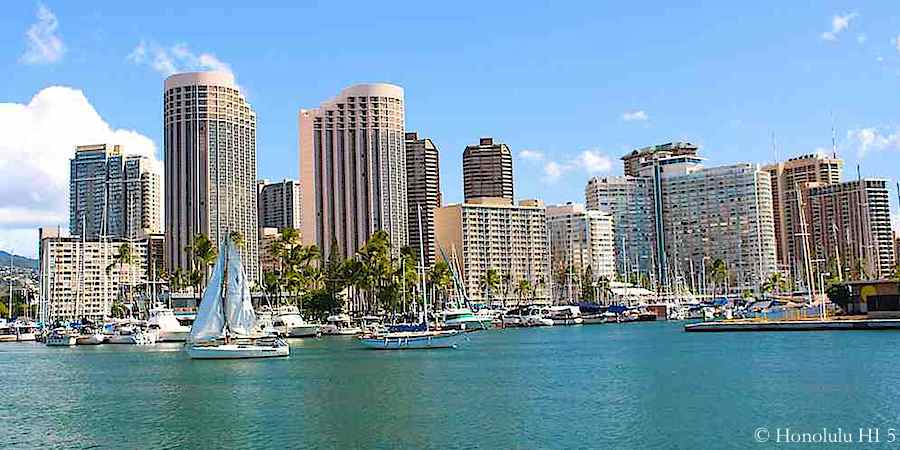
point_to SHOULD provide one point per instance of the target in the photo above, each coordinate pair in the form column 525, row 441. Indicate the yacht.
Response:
column 565, row 315
column 89, row 336
column 25, row 331
column 464, row 319
column 7, row 333
column 289, row 323
column 372, row 324
column 167, row 326
column 226, row 324
column 61, row 337
column 340, row 324
column 132, row 334
column 538, row 317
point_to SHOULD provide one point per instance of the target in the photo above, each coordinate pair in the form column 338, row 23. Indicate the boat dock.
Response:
column 794, row 325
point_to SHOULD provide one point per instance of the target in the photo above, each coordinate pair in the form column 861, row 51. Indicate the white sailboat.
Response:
column 414, row 340
column 226, row 322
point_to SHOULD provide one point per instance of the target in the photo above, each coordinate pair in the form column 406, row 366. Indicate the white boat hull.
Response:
column 27, row 337
column 173, row 336
column 60, row 341
column 568, row 321
column 92, row 339
column 8, row 338
column 302, row 331
column 413, row 341
column 341, row 331
column 238, row 351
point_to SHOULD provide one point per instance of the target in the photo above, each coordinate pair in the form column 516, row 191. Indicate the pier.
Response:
column 794, row 325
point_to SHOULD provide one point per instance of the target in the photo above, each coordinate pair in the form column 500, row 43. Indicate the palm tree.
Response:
column 203, row 254
column 441, row 277
column 719, row 272
column 124, row 256
column 775, row 283
column 490, row 282
column 523, row 289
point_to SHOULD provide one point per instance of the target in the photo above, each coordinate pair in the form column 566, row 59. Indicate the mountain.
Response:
column 18, row 261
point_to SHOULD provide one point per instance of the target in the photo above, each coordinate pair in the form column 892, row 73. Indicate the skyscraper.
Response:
column 112, row 194
column 633, row 161
column 279, row 204
column 581, row 240
column 423, row 189
column 630, row 203
column 353, row 168
column 850, row 228
column 210, row 160
column 488, row 170
column 788, row 177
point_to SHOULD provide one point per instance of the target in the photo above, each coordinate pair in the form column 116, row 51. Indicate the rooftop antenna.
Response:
column 775, row 148
column 833, row 138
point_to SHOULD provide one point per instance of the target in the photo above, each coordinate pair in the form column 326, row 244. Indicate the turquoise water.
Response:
column 640, row 385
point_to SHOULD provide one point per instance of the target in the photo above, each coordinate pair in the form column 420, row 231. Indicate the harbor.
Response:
column 542, row 387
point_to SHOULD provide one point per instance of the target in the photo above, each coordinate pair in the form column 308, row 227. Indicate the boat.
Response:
column 7, row 333
column 226, row 326
column 289, row 323
column 25, row 331
column 167, row 326
column 61, row 337
column 538, row 317
column 414, row 340
column 372, row 324
column 89, row 336
column 565, row 315
column 340, row 325
column 464, row 319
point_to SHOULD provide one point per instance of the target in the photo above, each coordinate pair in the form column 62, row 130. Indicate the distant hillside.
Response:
column 18, row 261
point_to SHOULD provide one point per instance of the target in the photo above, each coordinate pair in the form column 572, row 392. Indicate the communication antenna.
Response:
column 833, row 138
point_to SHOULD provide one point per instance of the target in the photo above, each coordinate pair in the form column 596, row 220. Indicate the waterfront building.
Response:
column 75, row 282
column 629, row 201
column 581, row 241
column 788, row 179
column 704, row 214
column 112, row 194
column 488, row 170
column 490, row 233
column 279, row 204
column 850, row 228
column 423, row 189
column 210, row 165
column 353, row 168
column 632, row 162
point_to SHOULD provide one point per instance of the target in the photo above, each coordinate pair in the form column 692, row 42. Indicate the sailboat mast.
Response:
column 225, row 289
column 422, row 262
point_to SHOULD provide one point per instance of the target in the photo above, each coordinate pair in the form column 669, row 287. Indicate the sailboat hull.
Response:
column 238, row 351
column 412, row 340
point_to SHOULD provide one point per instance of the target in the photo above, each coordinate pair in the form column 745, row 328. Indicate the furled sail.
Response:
column 210, row 321
column 238, row 303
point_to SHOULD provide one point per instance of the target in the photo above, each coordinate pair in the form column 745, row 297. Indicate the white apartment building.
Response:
column 581, row 239
column 491, row 233
column 629, row 201
column 74, row 279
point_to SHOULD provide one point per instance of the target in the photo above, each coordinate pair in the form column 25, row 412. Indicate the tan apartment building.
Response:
column 492, row 233
column 353, row 168
column 581, row 240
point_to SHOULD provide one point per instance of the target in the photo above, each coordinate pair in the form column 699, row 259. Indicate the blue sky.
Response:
column 577, row 85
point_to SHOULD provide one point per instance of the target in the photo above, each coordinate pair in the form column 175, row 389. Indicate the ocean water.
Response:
column 638, row 385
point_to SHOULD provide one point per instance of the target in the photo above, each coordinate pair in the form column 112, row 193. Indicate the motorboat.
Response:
column 226, row 325
column 62, row 337
column 565, row 315
column 7, row 333
column 289, row 323
column 515, row 317
column 464, row 319
column 167, row 326
column 25, row 331
column 132, row 334
column 538, row 317
column 340, row 325
column 413, row 340
column 372, row 324
column 89, row 336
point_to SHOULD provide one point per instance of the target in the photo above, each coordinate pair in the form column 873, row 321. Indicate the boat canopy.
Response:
column 618, row 309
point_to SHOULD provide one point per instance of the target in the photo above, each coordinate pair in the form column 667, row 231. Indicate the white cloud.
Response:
column 862, row 38
column 531, row 155
column 43, row 44
column 631, row 116
column 36, row 141
column 867, row 139
column 839, row 23
column 589, row 161
column 174, row 59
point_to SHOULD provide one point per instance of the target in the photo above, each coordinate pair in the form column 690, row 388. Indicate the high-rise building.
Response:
column 423, row 192
column 112, row 194
column 353, row 168
column 634, row 160
column 581, row 241
column 210, row 160
column 488, row 170
column 490, row 233
column 629, row 201
column 711, row 213
column 279, row 204
column 788, row 179
column 74, row 279
column 269, row 261
column 850, row 228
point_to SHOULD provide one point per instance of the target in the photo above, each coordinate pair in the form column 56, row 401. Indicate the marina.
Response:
column 639, row 385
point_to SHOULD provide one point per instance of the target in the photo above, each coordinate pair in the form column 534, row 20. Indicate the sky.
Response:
column 570, row 87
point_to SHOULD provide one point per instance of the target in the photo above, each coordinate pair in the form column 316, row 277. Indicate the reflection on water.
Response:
column 645, row 385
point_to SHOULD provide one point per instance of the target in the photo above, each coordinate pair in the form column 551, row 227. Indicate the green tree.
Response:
column 441, row 278
column 719, row 273
column 588, row 291
column 775, row 283
column 490, row 282
column 839, row 294
column 524, row 289
column 203, row 253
